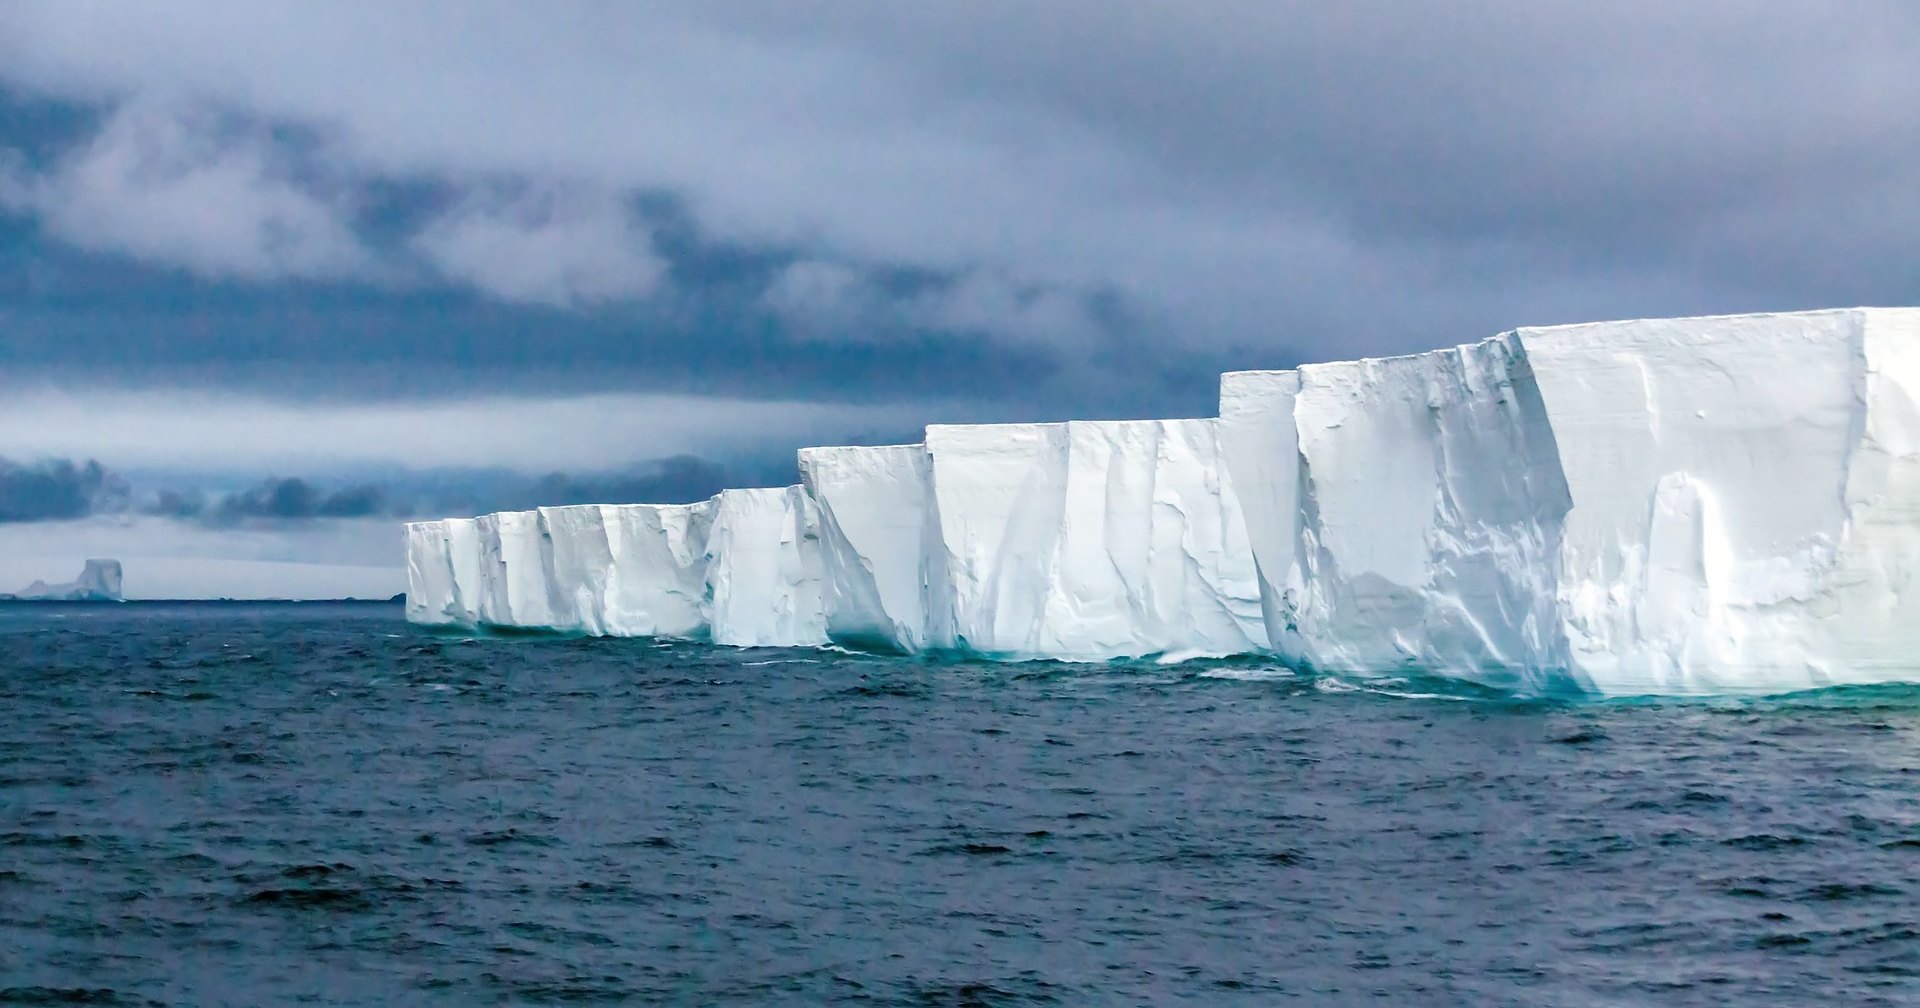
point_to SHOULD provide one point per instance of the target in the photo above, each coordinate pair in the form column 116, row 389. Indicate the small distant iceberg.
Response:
column 99, row 582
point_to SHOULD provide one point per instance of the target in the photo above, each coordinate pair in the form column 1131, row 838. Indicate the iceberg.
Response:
column 1699, row 505
column 99, row 581
column 656, row 585
column 515, row 557
column 1088, row 541
column 464, row 556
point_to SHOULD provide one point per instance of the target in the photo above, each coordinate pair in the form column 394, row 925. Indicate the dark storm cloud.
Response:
column 64, row 490
column 1077, row 207
column 291, row 499
column 57, row 490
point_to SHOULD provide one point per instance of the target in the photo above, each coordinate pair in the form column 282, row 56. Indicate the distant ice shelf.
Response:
column 1725, row 504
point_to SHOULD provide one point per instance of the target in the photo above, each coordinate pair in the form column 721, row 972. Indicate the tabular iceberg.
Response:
column 627, row 570
column 1680, row 505
column 1688, row 505
column 657, row 586
column 515, row 558
column 99, row 581
column 1089, row 540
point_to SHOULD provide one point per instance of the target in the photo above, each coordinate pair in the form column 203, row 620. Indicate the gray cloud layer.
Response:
column 1341, row 177
column 57, row 490
column 65, row 490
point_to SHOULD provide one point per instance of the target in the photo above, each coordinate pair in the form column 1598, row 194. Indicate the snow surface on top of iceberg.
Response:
column 1089, row 540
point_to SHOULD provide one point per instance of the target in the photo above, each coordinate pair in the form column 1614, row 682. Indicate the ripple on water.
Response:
column 275, row 804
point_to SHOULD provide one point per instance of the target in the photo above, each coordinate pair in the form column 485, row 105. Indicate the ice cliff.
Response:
column 1089, row 540
column 1668, row 506
column 742, row 568
column 1664, row 506
column 1082, row 540
column 882, row 569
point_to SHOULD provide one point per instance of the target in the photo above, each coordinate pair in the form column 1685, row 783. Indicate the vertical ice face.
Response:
column 1409, row 512
column 1090, row 540
column 1659, row 506
column 515, row 584
column 430, row 591
column 581, row 560
column 655, row 584
column 627, row 570
column 879, row 538
column 465, row 554
column 999, row 491
column 1260, row 451
column 1432, row 505
column 1744, row 497
column 764, row 569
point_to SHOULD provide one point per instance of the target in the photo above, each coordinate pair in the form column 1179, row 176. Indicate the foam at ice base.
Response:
column 1154, row 560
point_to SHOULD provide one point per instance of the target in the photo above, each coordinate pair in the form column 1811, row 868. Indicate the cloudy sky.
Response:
column 287, row 271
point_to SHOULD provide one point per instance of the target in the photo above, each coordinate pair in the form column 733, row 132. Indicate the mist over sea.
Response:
column 268, row 804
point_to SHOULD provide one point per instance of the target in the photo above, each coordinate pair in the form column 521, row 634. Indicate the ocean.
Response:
column 318, row 804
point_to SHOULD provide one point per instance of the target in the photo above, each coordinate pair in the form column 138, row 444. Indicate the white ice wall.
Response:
column 879, row 536
column 1409, row 512
column 657, row 585
column 1679, row 505
column 764, row 569
column 515, row 586
column 1745, row 496
column 1090, row 540
column 430, row 590
column 465, row 553
column 580, row 561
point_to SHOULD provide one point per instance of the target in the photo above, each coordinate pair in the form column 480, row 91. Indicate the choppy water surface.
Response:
column 234, row 805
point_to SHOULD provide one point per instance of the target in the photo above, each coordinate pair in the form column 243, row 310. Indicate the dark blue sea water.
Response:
column 225, row 805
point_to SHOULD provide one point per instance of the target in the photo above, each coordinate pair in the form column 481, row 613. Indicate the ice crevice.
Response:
column 1654, row 506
